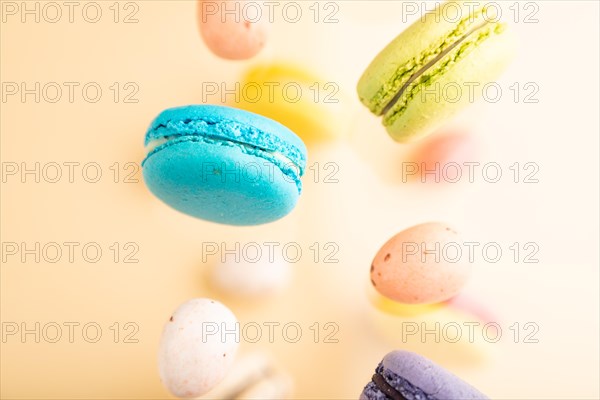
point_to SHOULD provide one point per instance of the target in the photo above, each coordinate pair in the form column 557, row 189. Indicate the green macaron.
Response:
column 436, row 67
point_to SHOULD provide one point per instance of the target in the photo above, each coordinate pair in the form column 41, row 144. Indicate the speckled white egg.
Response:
column 197, row 347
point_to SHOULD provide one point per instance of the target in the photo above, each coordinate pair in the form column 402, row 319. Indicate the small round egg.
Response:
column 446, row 154
column 227, row 32
column 260, row 276
column 197, row 347
column 420, row 265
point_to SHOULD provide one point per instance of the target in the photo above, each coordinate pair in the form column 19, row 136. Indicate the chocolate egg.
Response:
column 267, row 274
column 230, row 31
column 423, row 264
column 444, row 158
column 197, row 347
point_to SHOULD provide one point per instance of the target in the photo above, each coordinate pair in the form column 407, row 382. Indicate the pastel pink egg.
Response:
column 234, row 30
column 442, row 157
column 413, row 267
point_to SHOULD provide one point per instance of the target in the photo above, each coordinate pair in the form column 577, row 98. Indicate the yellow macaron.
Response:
column 310, row 106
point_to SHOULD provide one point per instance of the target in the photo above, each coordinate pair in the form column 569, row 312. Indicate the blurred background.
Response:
column 89, row 253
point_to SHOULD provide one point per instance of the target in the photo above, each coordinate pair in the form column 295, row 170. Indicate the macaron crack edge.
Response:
column 285, row 165
column 227, row 130
column 390, row 89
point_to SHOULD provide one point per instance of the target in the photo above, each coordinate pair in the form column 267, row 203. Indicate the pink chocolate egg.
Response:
column 420, row 265
column 443, row 158
column 234, row 30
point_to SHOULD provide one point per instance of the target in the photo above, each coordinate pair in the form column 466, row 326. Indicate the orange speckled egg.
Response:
column 420, row 265
column 233, row 29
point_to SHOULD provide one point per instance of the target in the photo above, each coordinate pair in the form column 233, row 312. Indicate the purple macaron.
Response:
column 403, row 375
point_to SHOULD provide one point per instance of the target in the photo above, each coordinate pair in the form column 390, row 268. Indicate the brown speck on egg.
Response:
column 387, row 257
column 171, row 319
column 247, row 24
column 372, row 267
column 224, row 354
column 373, row 282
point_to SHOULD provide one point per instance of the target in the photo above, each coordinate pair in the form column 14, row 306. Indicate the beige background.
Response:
column 164, row 56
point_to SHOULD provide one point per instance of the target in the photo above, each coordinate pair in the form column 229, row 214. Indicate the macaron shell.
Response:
column 424, row 34
column 407, row 270
column 310, row 107
column 279, row 71
column 249, row 128
column 219, row 183
column 429, row 377
column 428, row 109
column 230, row 36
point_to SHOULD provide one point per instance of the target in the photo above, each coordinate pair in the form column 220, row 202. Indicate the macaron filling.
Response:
column 386, row 388
column 395, row 387
column 286, row 165
column 409, row 74
column 424, row 68
column 436, row 69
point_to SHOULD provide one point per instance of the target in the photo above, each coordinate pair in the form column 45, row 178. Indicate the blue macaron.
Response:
column 223, row 164
column 403, row 375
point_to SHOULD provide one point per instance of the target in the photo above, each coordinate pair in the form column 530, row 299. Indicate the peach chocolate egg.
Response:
column 232, row 29
column 420, row 265
column 443, row 158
